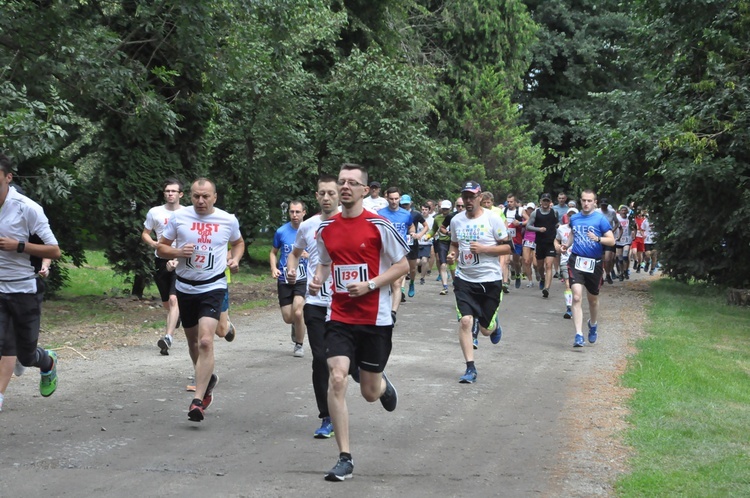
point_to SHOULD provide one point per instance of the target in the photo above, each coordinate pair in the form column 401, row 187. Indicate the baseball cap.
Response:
column 546, row 197
column 572, row 204
column 623, row 206
column 604, row 200
column 471, row 187
column 375, row 184
column 572, row 210
column 445, row 205
column 405, row 199
column 530, row 205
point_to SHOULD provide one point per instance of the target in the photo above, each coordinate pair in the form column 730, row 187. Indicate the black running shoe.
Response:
column 389, row 399
column 164, row 344
column 209, row 396
column 342, row 470
column 231, row 333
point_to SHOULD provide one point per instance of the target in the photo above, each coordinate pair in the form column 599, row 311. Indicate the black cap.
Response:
column 375, row 184
column 604, row 200
column 546, row 197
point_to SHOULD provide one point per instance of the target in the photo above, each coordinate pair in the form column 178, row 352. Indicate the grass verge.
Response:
column 690, row 413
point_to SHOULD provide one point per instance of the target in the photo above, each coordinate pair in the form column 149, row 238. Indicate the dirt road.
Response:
column 542, row 419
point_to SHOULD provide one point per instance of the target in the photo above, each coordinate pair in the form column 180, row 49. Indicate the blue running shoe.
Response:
column 411, row 289
column 518, row 282
column 578, row 342
column 568, row 313
column 439, row 278
column 497, row 334
column 475, row 343
column 326, row 429
column 592, row 332
column 541, row 284
column 469, row 377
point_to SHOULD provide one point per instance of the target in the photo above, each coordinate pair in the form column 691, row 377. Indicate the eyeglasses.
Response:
column 459, row 205
column 351, row 183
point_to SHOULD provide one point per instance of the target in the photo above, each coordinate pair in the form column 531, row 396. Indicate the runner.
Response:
column 291, row 296
column 623, row 239
column 374, row 202
column 365, row 255
column 425, row 246
column 608, row 259
column 413, row 241
column 21, row 291
column 591, row 230
column 529, row 248
column 402, row 221
column 442, row 243
column 316, row 306
column 478, row 237
column 515, row 217
column 164, row 276
column 544, row 222
column 563, row 238
column 198, row 236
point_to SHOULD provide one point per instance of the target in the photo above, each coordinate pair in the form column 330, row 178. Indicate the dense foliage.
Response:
column 100, row 101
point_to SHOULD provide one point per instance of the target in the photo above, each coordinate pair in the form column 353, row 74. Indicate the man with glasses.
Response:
column 478, row 237
column 364, row 254
column 164, row 276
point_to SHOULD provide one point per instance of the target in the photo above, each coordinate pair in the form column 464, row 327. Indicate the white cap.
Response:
column 530, row 205
column 572, row 204
column 445, row 204
column 572, row 210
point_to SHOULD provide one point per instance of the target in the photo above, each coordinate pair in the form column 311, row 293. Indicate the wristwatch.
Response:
column 21, row 246
column 371, row 285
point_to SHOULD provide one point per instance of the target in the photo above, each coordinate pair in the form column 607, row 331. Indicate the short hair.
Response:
column 353, row 166
column 202, row 181
column 590, row 191
column 297, row 201
column 488, row 195
column 327, row 179
column 5, row 164
column 392, row 190
column 172, row 181
column 510, row 195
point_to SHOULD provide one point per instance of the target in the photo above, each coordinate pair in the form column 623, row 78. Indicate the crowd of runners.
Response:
column 341, row 275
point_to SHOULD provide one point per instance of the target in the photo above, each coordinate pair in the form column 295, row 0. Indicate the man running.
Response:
column 591, row 231
column 164, row 276
column 401, row 219
column 365, row 255
column 623, row 238
column 544, row 222
column 442, row 243
column 478, row 237
column 514, row 220
column 198, row 237
column 374, row 202
column 291, row 296
column 608, row 259
column 316, row 306
column 20, row 291
column 412, row 241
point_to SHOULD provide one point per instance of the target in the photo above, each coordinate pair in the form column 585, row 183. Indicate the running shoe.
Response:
column 609, row 279
column 231, row 333
column 529, row 285
column 164, row 344
column 403, row 296
column 19, row 369
column 439, row 278
column 469, row 377
column 651, row 272
column 506, row 288
column 545, row 293
column 411, row 289
column 444, row 292
column 421, row 281
column 568, row 313
column 497, row 334
column 299, row 351
column 393, row 317
column 326, row 429
column 627, row 275
column 541, row 284
column 622, row 277
column 578, row 343
column 638, row 270
column 556, row 275
column 195, row 412
column 475, row 343
column 48, row 380
column 389, row 399
column 208, row 398
column 518, row 283
column 341, row 471
column 592, row 332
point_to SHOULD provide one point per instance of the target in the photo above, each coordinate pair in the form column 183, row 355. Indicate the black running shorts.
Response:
column 368, row 346
column 592, row 281
column 288, row 291
column 193, row 307
column 480, row 300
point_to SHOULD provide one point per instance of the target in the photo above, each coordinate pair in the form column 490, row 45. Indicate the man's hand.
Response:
column 451, row 257
column 8, row 244
column 275, row 272
column 187, row 250
column 476, row 248
column 357, row 289
column 171, row 264
column 314, row 286
column 234, row 266
column 291, row 275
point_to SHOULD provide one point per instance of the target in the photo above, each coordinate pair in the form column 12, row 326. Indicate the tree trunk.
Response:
column 139, row 284
column 738, row 297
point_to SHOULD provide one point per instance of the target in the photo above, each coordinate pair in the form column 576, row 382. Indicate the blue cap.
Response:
column 405, row 199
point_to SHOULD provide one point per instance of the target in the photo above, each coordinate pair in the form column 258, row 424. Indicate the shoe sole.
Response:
column 567, row 316
column 466, row 381
column 164, row 347
column 334, row 478
column 545, row 293
column 230, row 334
column 324, row 436
column 195, row 415
column 53, row 355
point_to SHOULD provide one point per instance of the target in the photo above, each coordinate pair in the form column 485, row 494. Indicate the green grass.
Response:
column 96, row 277
column 690, row 415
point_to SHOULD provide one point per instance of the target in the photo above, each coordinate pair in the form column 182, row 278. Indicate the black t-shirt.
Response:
column 549, row 221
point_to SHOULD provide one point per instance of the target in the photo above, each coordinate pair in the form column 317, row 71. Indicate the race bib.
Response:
column 327, row 290
column 301, row 272
column 530, row 244
column 585, row 265
column 409, row 239
column 200, row 260
column 344, row 275
column 511, row 232
column 468, row 258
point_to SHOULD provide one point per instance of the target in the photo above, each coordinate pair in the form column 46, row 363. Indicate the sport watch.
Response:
column 21, row 246
column 371, row 285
